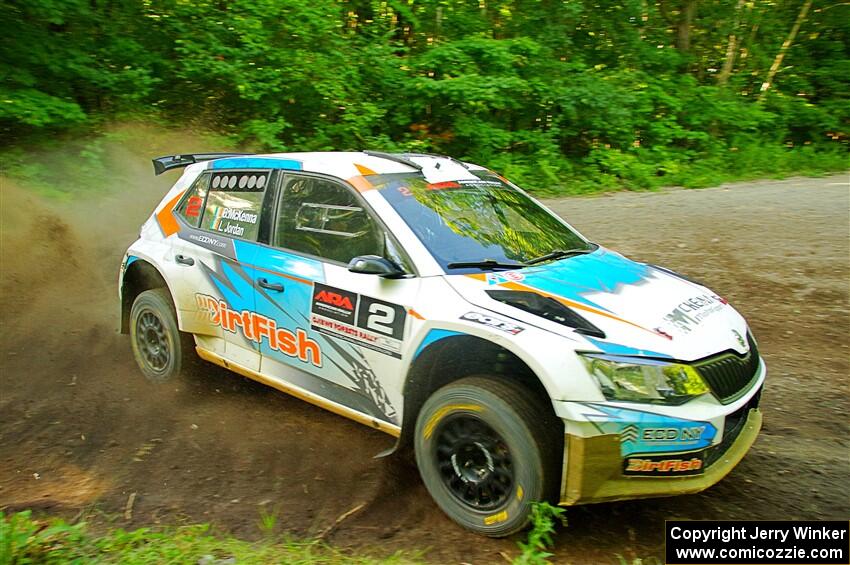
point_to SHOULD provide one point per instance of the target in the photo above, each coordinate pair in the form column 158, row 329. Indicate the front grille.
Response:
column 732, row 427
column 730, row 375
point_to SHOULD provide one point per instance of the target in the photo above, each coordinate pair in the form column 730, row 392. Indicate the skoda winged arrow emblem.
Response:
column 740, row 338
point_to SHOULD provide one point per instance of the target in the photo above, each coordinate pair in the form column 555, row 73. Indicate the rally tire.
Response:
column 161, row 350
column 485, row 452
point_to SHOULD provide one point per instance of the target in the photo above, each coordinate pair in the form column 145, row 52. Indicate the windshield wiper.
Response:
column 485, row 264
column 560, row 254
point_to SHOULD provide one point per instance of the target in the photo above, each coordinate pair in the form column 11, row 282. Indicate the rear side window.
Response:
column 192, row 206
column 234, row 203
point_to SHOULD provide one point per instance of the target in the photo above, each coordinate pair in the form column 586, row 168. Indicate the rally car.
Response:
column 434, row 300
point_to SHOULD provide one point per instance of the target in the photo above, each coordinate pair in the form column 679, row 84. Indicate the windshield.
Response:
column 477, row 220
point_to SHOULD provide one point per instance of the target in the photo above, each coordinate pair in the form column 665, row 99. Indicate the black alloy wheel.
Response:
column 152, row 340
column 487, row 449
column 161, row 350
column 474, row 462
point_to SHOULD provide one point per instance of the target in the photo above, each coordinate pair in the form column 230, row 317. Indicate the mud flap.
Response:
column 388, row 451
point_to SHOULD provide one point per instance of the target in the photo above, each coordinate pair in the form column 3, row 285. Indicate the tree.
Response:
column 771, row 73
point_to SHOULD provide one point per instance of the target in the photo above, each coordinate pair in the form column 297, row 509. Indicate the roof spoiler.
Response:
column 162, row 164
column 404, row 158
column 397, row 157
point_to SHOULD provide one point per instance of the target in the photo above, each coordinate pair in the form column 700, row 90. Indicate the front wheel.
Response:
column 160, row 349
column 485, row 453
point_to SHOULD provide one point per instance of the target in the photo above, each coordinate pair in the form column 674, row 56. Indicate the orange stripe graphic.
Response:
column 284, row 275
column 165, row 217
column 365, row 171
column 360, row 183
column 572, row 303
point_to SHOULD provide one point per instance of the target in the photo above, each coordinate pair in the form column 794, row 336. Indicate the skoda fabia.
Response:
column 435, row 301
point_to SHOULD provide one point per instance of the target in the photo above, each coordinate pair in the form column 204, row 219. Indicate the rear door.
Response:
column 221, row 221
column 338, row 334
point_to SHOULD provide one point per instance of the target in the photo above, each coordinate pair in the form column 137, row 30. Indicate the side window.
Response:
column 192, row 206
column 323, row 218
column 234, row 203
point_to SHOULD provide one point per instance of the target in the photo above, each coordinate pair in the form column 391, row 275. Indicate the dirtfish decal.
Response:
column 657, row 466
column 256, row 327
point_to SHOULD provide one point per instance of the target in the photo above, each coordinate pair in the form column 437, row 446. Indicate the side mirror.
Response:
column 374, row 265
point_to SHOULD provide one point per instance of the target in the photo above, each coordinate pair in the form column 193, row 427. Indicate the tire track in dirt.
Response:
column 80, row 429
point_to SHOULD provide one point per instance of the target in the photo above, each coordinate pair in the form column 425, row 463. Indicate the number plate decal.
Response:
column 364, row 321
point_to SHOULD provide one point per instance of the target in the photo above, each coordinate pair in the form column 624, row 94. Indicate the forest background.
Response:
column 562, row 96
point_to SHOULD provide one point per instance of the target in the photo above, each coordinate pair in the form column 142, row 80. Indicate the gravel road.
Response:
column 80, row 429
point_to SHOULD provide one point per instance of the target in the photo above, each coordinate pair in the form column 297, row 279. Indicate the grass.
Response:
column 544, row 517
column 27, row 540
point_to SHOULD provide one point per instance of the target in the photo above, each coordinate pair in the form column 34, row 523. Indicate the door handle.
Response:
column 183, row 260
column 277, row 287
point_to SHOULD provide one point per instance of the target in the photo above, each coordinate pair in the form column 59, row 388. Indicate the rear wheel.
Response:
column 485, row 452
column 160, row 349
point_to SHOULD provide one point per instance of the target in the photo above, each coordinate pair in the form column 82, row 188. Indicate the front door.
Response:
column 331, row 332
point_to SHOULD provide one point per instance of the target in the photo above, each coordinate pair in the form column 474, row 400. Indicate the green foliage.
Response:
column 25, row 540
column 562, row 97
column 268, row 521
column 544, row 516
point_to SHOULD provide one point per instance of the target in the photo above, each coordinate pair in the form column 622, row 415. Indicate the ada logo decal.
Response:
column 334, row 303
column 664, row 465
column 493, row 322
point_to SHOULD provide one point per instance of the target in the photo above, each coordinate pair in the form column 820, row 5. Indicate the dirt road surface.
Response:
column 81, row 430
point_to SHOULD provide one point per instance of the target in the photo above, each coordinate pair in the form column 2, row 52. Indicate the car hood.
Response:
column 642, row 309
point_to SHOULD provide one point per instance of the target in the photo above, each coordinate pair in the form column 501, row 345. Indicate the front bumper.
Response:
column 593, row 468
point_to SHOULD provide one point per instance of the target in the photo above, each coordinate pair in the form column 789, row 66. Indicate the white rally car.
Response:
column 435, row 301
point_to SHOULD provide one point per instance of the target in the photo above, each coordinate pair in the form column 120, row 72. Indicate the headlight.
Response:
column 644, row 380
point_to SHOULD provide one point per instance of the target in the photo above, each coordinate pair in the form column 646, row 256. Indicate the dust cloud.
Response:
column 59, row 256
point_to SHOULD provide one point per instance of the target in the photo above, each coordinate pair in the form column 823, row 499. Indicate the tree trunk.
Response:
column 731, row 48
column 686, row 18
column 801, row 17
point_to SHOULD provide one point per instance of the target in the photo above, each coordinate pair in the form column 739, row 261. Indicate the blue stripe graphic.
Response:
column 600, row 271
column 617, row 349
column 278, row 260
column 256, row 163
column 431, row 337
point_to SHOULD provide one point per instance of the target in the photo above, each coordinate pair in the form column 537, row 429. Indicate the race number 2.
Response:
column 381, row 317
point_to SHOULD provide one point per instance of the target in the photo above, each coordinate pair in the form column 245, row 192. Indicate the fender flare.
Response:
column 137, row 262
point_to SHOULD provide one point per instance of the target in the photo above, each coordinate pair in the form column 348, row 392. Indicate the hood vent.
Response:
column 547, row 308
